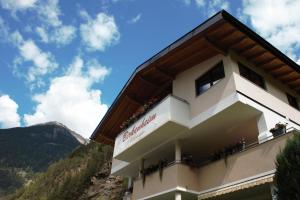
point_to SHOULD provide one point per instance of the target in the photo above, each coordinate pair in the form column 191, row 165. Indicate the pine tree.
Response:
column 287, row 174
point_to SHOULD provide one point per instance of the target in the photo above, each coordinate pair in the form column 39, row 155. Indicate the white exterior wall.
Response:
column 271, row 104
column 273, row 86
column 184, row 86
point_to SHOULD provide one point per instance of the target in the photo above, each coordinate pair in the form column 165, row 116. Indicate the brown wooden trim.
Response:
column 284, row 76
column 274, row 67
column 266, row 62
column 239, row 40
column 256, row 55
column 134, row 99
column 291, row 80
column 147, row 81
column 294, row 82
column 105, row 140
column 195, row 55
column 165, row 73
column 227, row 34
column 297, row 87
column 250, row 47
column 217, row 47
column 162, row 88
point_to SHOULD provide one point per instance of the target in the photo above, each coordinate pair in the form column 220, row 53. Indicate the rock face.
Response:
column 104, row 186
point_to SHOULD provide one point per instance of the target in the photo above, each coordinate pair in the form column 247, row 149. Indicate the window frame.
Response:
column 209, row 75
column 251, row 75
column 291, row 100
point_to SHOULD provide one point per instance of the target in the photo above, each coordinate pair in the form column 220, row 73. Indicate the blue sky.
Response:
column 67, row 60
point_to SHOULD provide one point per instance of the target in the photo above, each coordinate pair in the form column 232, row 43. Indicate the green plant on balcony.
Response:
column 139, row 113
column 229, row 150
column 153, row 168
column 279, row 129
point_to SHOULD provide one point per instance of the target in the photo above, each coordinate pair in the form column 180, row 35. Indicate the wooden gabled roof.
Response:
column 215, row 36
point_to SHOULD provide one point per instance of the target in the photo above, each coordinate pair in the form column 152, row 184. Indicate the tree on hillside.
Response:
column 287, row 174
column 69, row 178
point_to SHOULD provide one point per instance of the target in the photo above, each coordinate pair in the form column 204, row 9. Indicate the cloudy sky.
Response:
column 66, row 61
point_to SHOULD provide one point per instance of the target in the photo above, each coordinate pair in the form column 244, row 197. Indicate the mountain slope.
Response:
column 27, row 150
column 83, row 175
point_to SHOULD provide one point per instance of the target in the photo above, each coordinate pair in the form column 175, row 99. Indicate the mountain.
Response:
column 80, row 139
column 83, row 175
column 25, row 151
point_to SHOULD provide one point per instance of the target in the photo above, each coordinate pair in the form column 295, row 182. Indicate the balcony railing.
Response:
column 164, row 121
column 252, row 161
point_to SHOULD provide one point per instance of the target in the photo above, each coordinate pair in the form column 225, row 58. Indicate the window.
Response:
column 252, row 76
column 210, row 78
column 293, row 101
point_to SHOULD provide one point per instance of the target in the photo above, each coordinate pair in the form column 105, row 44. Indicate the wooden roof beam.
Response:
column 266, row 62
column 162, row 88
column 294, row 83
column 297, row 87
column 273, row 67
column 292, row 80
column 276, row 69
column 147, row 81
column 135, row 100
column 165, row 73
column 186, row 59
column 260, row 53
column 284, row 75
column 106, row 140
column 239, row 40
column 223, row 37
column 217, row 47
column 252, row 46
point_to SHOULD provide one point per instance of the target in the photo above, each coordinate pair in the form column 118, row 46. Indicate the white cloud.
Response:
column 211, row 7
column 97, row 73
column 135, row 19
column 61, row 35
column 99, row 33
column 15, row 5
column 200, row 3
column 16, row 38
column 53, row 30
column 278, row 21
column 49, row 12
column 41, row 62
column 4, row 30
column 64, row 34
column 9, row 116
column 216, row 5
column 71, row 100
column 187, row 2
column 42, row 33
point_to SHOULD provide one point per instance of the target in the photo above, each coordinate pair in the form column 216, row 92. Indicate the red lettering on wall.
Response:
column 137, row 127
